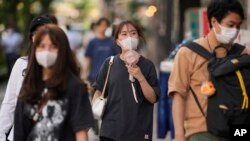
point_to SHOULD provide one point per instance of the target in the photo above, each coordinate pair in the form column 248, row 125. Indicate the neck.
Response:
column 101, row 36
column 213, row 43
column 212, row 40
column 46, row 73
column 122, row 55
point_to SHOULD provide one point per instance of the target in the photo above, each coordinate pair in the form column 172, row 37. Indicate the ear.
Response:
column 213, row 21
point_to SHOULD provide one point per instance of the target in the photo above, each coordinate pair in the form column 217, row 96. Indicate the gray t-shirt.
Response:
column 124, row 119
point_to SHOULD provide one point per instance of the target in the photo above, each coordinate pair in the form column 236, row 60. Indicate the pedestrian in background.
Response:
column 97, row 51
column 15, row 83
column 74, row 37
column 11, row 42
column 190, row 70
column 53, row 102
column 129, row 111
column 89, row 35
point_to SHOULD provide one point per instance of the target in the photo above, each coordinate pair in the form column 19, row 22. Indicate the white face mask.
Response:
column 227, row 35
column 129, row 43
column 46, row 58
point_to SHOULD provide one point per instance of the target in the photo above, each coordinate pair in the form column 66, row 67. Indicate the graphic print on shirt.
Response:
column 50, row 121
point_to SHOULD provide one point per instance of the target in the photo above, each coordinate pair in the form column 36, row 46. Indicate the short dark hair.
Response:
column 103, row 20
column 219, row 9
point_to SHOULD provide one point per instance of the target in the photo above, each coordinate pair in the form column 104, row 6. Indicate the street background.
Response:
column 166, row 24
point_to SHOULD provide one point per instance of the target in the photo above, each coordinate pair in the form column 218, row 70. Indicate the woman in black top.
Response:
column 129, row 114
column 53, row 104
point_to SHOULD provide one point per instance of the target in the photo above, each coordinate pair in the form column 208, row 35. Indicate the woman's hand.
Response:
column 147, row 90
column 135, row 71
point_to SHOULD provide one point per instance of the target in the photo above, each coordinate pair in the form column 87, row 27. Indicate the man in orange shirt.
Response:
column 190, row 70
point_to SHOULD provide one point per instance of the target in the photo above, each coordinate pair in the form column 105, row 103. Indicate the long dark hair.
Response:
column 65, row 65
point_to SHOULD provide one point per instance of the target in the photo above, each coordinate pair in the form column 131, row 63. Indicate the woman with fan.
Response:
column 132, row 90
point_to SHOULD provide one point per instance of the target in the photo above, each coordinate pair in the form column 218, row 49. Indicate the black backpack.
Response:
column 231, row 78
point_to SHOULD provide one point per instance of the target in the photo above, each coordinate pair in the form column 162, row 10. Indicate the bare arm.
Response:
column 178, row 116
column 82, row 135
column 86, row 68
column 10, row 98
column 147, row 90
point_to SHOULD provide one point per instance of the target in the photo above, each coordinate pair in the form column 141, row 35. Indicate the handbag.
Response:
column 98, row 106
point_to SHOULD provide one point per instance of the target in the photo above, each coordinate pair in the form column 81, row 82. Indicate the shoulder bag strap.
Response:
column 205, row 54
column 106, row 80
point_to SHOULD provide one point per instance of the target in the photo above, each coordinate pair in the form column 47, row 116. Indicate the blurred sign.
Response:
column 244, row 34
column 204, row 27
column 192, row 22
column 243, row 38
column 196, row 22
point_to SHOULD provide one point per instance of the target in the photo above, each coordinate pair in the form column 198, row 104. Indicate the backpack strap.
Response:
column 198, row 49
column 205, row 54
column 197, row 102
column 244, row 91
column 236, row 49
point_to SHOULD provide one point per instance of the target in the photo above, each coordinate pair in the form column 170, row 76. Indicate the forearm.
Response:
column 6, row 117
column 82, row 135
column 9, row 102
column 178, row 114
column 86, row 68
column 2, row 137
column 85, row 73
column 147, row 90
